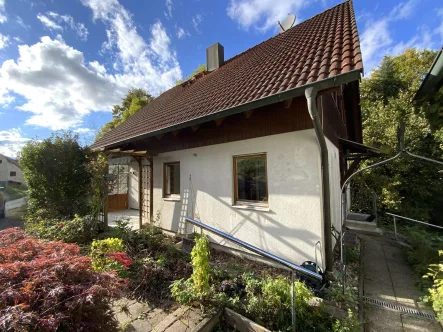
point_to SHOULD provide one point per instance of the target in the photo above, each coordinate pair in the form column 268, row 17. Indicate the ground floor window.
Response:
column 171, row 179
column 250, row 179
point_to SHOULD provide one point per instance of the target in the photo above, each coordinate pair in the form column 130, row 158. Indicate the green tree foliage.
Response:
column 200, row 69
column 141, row 95
column 57, row 176
column 407, row 186
column 134, row 100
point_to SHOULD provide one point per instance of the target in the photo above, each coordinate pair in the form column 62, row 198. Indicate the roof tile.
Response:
column 318, row 48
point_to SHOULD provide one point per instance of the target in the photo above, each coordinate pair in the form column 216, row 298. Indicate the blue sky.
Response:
column 64, row 63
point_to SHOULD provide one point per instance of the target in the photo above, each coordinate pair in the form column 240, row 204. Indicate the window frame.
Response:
column 10, row 173
column 171, row 196
column 250, row 203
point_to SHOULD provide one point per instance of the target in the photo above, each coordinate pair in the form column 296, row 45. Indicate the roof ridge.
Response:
column 279, row 34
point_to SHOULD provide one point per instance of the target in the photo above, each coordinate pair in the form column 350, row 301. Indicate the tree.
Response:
column 57, row 175
column 200, row 69
column 406, row 186
column 134, row 101
column 141, row 95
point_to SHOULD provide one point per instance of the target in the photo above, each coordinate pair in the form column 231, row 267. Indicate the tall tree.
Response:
column 407, row 186
column 141, row 95
column 56, row 171
column 134, row 101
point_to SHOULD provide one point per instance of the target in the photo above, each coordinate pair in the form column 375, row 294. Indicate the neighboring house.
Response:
column 10, row 170
column 258, row 145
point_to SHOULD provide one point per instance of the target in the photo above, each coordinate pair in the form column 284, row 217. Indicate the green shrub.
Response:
column 349, row 324
column 200, row 264
column 436, row 292
column 77, row 230
column 100, row 251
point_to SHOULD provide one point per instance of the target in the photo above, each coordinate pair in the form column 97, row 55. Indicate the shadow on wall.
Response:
column 267, row 231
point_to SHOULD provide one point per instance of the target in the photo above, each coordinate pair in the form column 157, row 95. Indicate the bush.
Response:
column 109, row 255
column 436, row 292
column 56, row 171
column 79, row 230
column 349, row 324
column 48, row 286
column 200, row 264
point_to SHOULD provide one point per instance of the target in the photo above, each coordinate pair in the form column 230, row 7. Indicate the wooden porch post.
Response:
column 151, row 189
column 140, row 191
column 105, row 203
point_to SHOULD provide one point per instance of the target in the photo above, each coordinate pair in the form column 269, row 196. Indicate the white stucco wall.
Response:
column 293, row 223
column 6, row 168
column 133, row 186
column 334, row 182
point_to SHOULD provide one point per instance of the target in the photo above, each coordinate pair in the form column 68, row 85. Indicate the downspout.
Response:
column 311, row 98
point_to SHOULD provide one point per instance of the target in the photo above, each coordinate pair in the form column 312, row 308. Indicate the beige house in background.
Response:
column 10, row 170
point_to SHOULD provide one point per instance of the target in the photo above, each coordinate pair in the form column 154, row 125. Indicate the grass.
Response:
column 14, row 191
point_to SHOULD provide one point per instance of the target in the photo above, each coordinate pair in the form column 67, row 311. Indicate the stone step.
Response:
column 366, row 231
column 361, row 224
column 184, row 319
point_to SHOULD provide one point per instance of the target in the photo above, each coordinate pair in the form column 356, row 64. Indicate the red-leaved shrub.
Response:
column 48, row 286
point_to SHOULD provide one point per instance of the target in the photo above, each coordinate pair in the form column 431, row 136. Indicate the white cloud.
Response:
column 48, row 23
column 182, row 33
column 22, row 23
column 12, row 142
column 3, row 17
column 196, row 20
column 403, row 10
column 60, row 88
column 54, row 21
column 263, row 14
column 151, row 65
column 377, row 37
column 4, row 41
column 169, row 7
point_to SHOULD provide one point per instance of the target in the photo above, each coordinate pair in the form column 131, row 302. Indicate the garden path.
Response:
column 389, row 278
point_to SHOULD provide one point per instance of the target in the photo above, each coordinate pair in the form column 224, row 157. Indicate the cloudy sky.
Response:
column 64, row 63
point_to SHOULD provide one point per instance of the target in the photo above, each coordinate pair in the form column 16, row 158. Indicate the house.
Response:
column 257, row 145
column 10, row 170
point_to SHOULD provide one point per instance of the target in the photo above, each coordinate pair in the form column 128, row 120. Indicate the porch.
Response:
column 131, row 215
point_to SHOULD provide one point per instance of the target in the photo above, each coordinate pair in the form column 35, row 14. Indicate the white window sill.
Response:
column 251, row 207
column 172, row 199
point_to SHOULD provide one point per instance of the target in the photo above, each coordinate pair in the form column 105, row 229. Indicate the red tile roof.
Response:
column 321, row 47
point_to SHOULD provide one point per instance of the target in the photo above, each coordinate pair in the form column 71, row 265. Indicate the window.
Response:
column 171, row 179
column 1, row 161
column 12, row 173
column 250, row 179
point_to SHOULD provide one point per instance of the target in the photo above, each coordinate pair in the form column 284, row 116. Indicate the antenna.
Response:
column 287, row 23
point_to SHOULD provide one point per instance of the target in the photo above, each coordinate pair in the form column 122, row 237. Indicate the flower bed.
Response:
column 49, row 286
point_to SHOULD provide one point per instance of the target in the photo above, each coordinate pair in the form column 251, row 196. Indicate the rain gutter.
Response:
column 324, row 84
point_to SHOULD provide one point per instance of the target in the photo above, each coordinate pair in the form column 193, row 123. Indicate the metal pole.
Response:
column 395, row 228
column 293, row 299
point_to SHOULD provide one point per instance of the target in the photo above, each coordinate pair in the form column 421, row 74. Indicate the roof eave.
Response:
column 433, row 78
column 324, row 84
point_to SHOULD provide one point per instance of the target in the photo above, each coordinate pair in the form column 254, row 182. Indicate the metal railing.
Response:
column 395, row 216
column 291, row 266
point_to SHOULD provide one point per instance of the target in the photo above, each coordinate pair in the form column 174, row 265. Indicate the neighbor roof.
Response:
column 322, row 47
column 12, row 161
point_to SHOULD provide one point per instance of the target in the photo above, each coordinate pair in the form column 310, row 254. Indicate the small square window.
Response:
column 171, row 179
column 12, row 173
column 1, row 161
column 250, row 180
